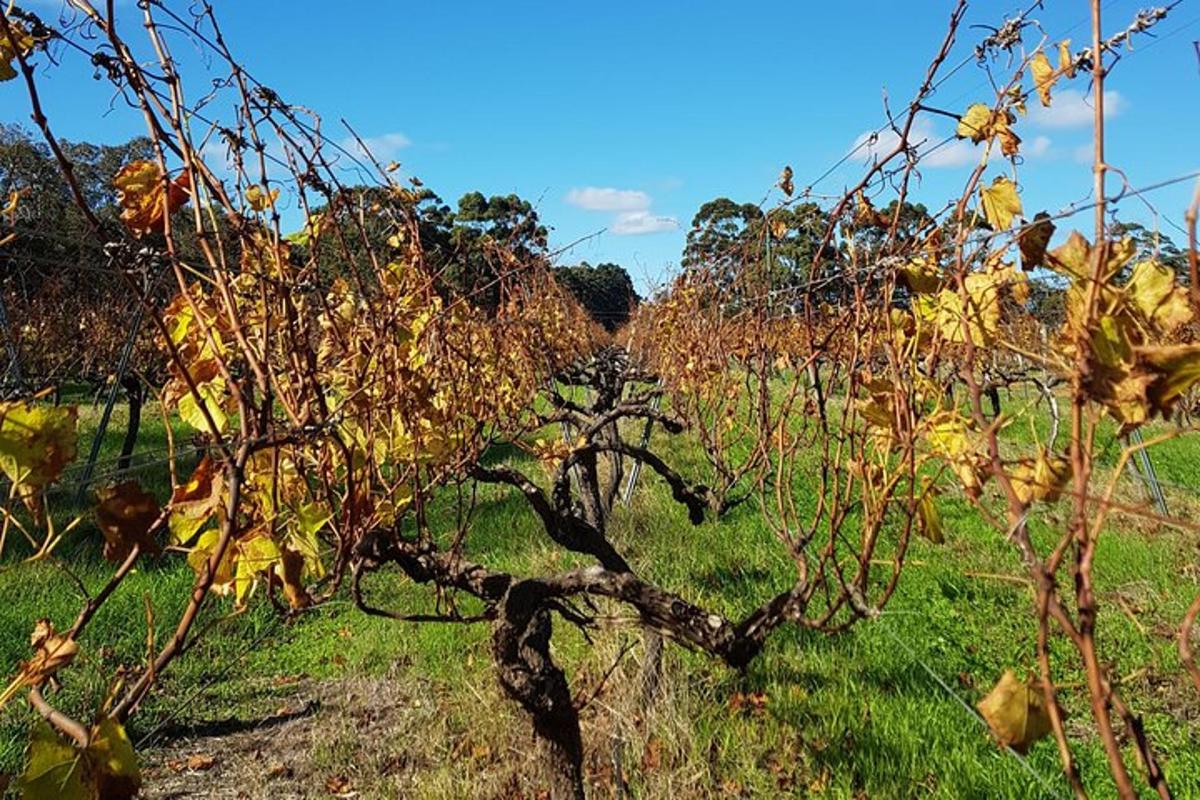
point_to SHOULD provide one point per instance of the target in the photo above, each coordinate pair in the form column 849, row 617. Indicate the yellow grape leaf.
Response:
column 212, row 393
column 260, row 200
column 125, row 514
column 978, row 318
column 313, row 227
column 1044, row 76
column 178, row 317
column 36, row 442
column 948, row 434
column 195, row 502
column 1010, row 143
column 975, row 124
column 8, row 54
column 10, row 211
column 1066, row 63
column 1016, row 712
column 55, row 770
column 144, row 203
column 980, row 124
column 256, row 554
column 928, row 516
column 1051, row 474
column 114, row 764
column 1110, row 341
column 106, row 769
column 310, row 519
column 1074, row 257
column 866, row 214
column 200, row 554
column 1016, row 283
column 1040, row 478
column 921, row 276
column 14, row 199
column 1170, row 371
column 1000, row 203
column 1152, row 289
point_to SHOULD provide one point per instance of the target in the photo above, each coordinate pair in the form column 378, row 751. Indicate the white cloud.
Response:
column 953, row 153
column 1071, row 108
column 384, row 147
column 592, row 198
column 1039, row 147
column 630, row 206
column 636, row 223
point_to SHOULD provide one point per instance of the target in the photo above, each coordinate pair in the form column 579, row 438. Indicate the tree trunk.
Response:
column 133, row 390
column 993, row 393
column 590, row 496
column 521, row 649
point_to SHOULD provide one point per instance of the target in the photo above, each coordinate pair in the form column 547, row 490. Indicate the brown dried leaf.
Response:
column 125, row 515
column 52, row 652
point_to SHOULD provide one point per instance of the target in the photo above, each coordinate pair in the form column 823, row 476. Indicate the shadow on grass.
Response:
column 224, row 727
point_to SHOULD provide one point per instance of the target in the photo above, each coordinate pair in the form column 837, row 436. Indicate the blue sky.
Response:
column 627, row 116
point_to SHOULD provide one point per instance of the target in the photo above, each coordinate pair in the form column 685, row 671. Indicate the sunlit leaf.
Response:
column 921, row 276
column 106, row 769
column 1000, row 203
column 256, row 554
column 1044, row 76
column 259, row 199
column 36, row 442
column 310, row 519
column 928, row 517
column 980, row 124
column 1170, row 371
column 212, row 395
column 1152, row 289
column 1016, row 712
column 55, row 770
column 113, row 763
column 975, row 124
column 1040, row 478
column 195, row 502
column 146, row 197
column 24, row 42
column 200, row 554
column 1066, row 63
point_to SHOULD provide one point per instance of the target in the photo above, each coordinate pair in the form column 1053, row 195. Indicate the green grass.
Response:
column 863, row 714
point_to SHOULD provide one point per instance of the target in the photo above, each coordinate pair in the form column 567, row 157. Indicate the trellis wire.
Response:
column 1146, row 472
column 1047, row 787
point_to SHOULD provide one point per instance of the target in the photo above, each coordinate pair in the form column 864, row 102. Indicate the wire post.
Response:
column 1145, row 472
column 98, row 439
column 636, row 469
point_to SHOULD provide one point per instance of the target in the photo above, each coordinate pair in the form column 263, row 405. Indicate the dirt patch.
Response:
column 359, row 737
